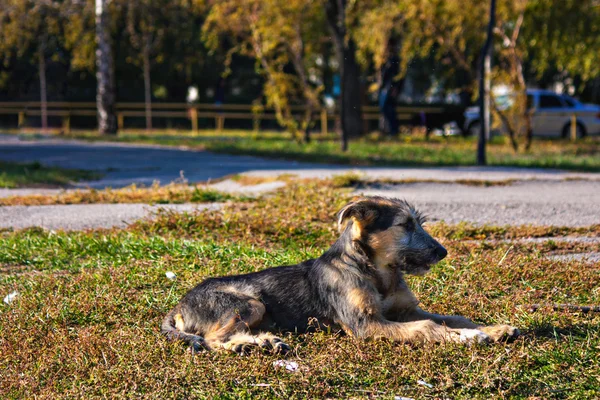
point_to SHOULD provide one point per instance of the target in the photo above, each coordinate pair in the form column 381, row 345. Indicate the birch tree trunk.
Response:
column 147, row 91
column 43, row 87
column 105, row 92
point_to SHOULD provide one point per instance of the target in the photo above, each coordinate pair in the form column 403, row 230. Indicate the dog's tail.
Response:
column 170, row 329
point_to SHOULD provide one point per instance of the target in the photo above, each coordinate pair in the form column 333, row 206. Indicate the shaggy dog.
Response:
column 357, row 285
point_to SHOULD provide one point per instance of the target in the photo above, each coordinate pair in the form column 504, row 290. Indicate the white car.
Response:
column 551, row 115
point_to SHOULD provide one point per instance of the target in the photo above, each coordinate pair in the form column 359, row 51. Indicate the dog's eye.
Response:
column 408, row 225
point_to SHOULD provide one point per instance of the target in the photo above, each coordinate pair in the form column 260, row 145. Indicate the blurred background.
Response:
column 341, row 69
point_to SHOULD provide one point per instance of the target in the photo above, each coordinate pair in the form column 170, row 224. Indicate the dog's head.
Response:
column 389, row 231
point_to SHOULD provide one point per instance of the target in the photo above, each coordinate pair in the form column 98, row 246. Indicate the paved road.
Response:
column 85, row 216
column 124, row 164
column 567, row 203
column 446, row 174
column 545, row 197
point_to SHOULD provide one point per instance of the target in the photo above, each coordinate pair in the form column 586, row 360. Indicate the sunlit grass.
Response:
column 408, row 150
column 86, row 320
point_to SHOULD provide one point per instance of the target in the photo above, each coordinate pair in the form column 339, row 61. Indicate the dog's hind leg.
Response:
column 235, row 330
column 173, row 328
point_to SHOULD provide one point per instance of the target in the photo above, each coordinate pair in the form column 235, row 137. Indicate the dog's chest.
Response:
column 388, row 281
column 399, row 298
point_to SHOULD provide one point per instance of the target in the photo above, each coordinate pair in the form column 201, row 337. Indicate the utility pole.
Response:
column 485, row 87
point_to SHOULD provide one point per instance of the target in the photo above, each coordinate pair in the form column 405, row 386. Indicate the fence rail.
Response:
column 192, row 112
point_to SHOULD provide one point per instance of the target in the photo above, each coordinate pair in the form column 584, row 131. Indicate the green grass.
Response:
column 86, row 321
column 582, row 155
column 13, row 175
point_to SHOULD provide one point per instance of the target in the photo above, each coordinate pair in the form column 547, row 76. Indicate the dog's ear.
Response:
column 360, row 212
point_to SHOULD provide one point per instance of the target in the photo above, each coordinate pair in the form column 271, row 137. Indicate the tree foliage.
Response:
column 565, row 34
column 288, row 41
column 543, row 34
column 284, row 36
column 27, row 24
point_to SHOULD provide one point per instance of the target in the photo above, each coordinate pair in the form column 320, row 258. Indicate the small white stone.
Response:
column 290, row 366
column 10, row 297
column 423, row 383
column 171, row 275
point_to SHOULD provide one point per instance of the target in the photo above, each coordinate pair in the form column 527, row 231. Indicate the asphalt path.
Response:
column 87, row 216
column 125, row 164
column 534, row 202
column 537, row 197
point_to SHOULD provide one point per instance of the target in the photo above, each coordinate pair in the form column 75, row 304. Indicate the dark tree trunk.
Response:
column 147, row 90
column 43, row 86
column 484, row 87
column 307, row 121
column 528, row 130
column 105, row 93
column 350, row 99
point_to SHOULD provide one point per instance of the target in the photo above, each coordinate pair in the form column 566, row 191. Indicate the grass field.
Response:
column 13, row 175
column 412, row 150
column 86, row 320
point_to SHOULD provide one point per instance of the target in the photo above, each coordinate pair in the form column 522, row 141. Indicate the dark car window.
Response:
column 570, row 103
column 549, row 101
column 529, row 102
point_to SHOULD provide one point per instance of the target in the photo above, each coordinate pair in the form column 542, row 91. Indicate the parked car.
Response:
column 551, row 114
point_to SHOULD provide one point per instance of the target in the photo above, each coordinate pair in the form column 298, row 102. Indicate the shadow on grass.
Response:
column 13, row 175
column 568, row 332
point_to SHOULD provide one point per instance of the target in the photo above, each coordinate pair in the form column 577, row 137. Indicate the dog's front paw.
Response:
column 500, row 332
column 274, row 345
column 472, row 336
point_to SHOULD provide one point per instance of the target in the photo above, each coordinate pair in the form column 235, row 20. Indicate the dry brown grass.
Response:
column 155, row 194
column 251, row 180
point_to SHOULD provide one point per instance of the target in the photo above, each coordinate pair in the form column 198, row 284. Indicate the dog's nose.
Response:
column 441, row 252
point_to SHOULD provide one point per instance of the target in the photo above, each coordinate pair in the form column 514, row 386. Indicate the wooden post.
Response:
column 21, row 122
column 120, row 120
column 194, row 117
column 67, row 124
column 324, row 122
column 573, row 127
column 256, row 123
column 220, row 123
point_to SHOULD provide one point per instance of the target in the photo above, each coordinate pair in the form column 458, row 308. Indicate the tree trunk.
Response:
column 528, row 130
column 484, row 87
column 105, row 92
column 43, row 87
column 307, row 121
column 147, row 91
column 350, row 104
column 512, row 134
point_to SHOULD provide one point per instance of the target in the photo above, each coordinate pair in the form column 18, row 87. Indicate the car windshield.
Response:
column 550, row 101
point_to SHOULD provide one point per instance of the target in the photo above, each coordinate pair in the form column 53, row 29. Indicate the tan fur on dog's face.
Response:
column 391, row 233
